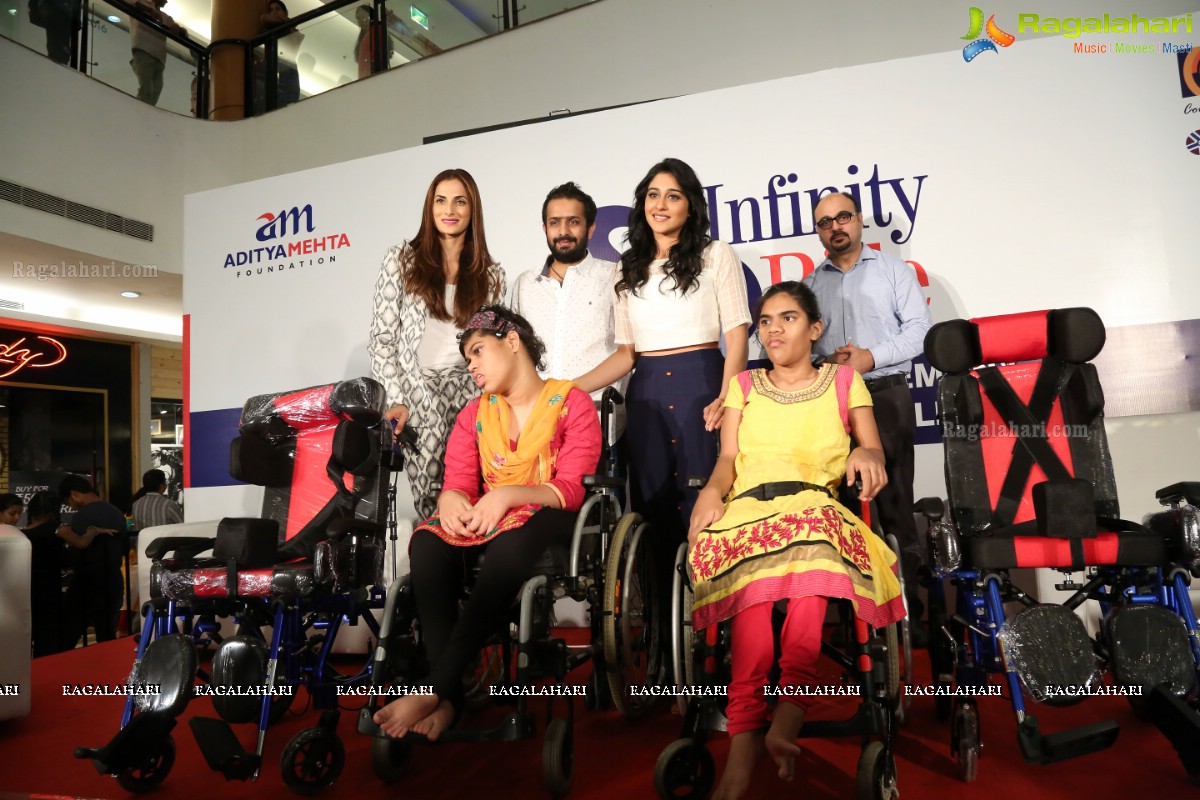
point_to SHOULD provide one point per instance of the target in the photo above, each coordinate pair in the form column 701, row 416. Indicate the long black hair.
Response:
column 683, row 263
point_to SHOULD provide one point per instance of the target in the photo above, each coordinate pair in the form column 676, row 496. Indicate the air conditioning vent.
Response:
column 62, row 207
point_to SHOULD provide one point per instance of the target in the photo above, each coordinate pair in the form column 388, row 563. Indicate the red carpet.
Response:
column 613, row 758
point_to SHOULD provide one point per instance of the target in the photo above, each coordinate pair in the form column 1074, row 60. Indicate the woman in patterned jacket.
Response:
column 427, row 290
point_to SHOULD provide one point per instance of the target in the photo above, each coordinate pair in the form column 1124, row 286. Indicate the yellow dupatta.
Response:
column 532, row 463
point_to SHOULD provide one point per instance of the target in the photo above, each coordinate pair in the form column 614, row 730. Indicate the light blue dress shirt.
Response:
column 877, row 304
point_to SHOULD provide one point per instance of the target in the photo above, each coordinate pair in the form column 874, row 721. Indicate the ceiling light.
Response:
column 163, row 411
column 12, row 12
column 113, row 18
column 418, row 16
column 131, row 294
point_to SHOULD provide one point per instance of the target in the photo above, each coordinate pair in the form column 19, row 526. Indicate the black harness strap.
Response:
column 1025, row 421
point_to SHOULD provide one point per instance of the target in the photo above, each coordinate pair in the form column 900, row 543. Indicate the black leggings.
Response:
column 439, row 571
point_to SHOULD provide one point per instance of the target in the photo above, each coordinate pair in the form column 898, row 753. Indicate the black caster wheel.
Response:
column 312, row 761
column 684, row 770
column 876, row 777
column 390, row 758
column 965, row 741
column 558, row 758
column 152, row 768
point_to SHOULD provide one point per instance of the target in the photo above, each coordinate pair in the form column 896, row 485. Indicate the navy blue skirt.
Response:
column 666, row 436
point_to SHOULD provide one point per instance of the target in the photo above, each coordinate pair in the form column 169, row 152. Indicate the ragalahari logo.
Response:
column 1189, row 71
column 995, row 36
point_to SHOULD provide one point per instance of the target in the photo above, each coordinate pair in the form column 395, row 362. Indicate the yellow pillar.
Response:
column 232, row 19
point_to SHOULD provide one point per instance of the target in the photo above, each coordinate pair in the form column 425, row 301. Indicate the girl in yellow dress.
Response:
column 768, row 527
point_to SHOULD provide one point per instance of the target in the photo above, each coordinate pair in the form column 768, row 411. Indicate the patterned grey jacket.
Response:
column 397, row 324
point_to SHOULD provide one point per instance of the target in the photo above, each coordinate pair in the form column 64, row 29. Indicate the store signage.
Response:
column 44, row 352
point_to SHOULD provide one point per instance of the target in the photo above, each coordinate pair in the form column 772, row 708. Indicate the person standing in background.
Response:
column 97, row 589
column 876, row 319
column 150, row 49
column 288, row 86
column 151, row 506
column 50, row 561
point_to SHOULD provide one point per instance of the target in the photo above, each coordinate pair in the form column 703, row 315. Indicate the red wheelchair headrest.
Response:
column 1072, row 335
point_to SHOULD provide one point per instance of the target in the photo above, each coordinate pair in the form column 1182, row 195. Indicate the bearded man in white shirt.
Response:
column 569, row 301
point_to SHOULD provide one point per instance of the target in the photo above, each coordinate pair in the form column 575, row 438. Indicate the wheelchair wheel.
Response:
column 631, row 634
column 891, row 663
column 390, row 758
column 558, row 758
column 876, row 778
column 152, row 769
column 312, row 761
column 965, row 740
column 683, row 636
column 684, row 770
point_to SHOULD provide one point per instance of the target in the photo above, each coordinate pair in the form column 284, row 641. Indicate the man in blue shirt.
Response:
column 875, row 320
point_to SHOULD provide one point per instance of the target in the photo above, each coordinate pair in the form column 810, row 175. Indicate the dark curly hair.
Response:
column 684, row 263
column 510, row 320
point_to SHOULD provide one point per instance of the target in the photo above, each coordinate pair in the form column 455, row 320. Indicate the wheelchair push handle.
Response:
column 404, row 438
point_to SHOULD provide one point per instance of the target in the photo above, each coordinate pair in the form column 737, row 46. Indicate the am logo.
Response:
column 286, row 223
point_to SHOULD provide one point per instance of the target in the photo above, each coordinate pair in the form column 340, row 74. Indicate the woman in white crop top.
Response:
column 677, row 293
column 427, row 290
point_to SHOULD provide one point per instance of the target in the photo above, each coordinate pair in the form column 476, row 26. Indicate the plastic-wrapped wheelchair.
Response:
column 1031, row 485
column 288, row 581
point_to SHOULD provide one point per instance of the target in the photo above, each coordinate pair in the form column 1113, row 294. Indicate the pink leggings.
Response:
column 754, row 652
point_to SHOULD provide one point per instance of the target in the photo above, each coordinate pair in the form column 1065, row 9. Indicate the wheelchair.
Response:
column 608, row 564
column 1031, row 485
column 875, row 666
column 289, row 581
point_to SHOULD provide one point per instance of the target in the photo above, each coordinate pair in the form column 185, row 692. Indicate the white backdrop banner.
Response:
column 1037, row 176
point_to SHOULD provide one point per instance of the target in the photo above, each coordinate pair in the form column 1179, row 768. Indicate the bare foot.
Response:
column 431, row 727
column 781, row 738
column 397, row 717
column 744, row 751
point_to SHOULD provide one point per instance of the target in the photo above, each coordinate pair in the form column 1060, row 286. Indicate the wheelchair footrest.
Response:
column 1039, row 749
column 222, row 750
column 129, row 746
column 1180, row 723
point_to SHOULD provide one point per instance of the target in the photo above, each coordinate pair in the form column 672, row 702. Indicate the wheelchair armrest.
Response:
column 611, row 397
column 1186, row 490
column 184, row 547
column 603, row 482
column 932, row 508
column 344, row 526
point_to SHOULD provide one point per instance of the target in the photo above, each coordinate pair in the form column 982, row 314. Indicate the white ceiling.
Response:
column 68, row 286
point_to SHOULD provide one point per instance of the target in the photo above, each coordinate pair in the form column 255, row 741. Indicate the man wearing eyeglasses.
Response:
column 875, row 320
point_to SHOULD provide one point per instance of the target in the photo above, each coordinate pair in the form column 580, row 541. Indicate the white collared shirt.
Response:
column 574, row 320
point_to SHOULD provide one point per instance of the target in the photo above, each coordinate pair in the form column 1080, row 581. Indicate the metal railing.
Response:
column 337, row 42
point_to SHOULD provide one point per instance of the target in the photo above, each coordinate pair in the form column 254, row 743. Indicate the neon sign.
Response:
column 16, row 357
